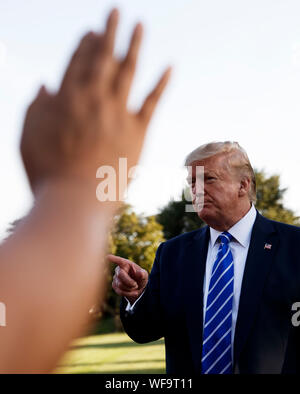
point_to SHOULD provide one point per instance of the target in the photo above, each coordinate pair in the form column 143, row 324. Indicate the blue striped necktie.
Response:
column 217, row 347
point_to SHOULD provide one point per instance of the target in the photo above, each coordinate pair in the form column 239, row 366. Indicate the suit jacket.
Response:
column 172, row 305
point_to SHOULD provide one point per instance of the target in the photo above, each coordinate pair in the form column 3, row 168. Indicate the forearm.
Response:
column 51, row 271
column 145, row 323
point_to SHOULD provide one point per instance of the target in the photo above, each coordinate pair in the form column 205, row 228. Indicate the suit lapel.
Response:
column 195, row 261
column 258, row 265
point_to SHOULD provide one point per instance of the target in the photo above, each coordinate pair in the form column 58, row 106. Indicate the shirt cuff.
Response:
column 129, row 307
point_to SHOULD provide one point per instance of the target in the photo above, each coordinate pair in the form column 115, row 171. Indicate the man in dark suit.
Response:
column 221, row 296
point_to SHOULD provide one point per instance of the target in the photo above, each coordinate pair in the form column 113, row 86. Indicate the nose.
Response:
column 198, row 198
column 198, row 188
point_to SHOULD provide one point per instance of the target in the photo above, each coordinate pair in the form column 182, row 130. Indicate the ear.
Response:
column 244, row 186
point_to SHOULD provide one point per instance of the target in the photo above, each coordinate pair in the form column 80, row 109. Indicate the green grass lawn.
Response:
column 113, row 353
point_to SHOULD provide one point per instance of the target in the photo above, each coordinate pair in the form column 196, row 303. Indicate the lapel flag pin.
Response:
column 268, row 246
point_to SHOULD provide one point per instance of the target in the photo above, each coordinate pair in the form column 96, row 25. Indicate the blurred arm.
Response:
column 51, row 271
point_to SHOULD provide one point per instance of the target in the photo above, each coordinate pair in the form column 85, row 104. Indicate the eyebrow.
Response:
column 209, row 172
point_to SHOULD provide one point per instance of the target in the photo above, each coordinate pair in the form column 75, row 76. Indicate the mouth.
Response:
column 199, row 205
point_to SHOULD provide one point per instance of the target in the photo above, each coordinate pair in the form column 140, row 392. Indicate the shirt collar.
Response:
column 241, row 231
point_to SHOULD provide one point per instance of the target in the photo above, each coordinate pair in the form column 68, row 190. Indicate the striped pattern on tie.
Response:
column 216, row 351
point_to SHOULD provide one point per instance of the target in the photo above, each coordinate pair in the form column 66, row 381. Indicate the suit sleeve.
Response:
column 145, row 323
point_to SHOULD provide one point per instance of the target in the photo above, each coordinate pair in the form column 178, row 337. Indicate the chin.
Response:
column 205, row 213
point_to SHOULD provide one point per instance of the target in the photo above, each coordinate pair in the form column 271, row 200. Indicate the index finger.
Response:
column 78, row 59
column 128, row 65
column 120, row 261
column 110, row 33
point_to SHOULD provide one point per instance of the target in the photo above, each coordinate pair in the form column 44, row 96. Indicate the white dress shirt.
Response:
column 239, row 246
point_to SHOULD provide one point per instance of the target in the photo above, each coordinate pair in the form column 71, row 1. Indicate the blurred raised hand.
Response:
column 86, row 124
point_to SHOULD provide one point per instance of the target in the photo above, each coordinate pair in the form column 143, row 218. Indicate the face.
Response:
column 221, row 193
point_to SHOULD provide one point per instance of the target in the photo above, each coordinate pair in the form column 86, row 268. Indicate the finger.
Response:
column 141, row 275
column 41, row 94
column 120, row 261
column 151, row 101
column 125, row 288
column 126, row 280
column 42, row 91
column 91, row 65
column 119, row 289
column 110, row 33
column 117, row 283
column 79, row 58
column 131, row 294
column 102, row 65
column 128, row 66
column 128, row 294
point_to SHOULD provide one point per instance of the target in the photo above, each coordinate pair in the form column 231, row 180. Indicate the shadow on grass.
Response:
column 115, row 344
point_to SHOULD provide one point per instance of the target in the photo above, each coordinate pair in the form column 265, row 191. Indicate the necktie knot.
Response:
column 225, row 237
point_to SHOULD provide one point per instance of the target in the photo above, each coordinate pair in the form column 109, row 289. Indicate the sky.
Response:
column 236, row 76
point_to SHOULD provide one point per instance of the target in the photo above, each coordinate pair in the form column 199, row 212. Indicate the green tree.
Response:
column 270, row 199
column 136, row 237
column 175, row 220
